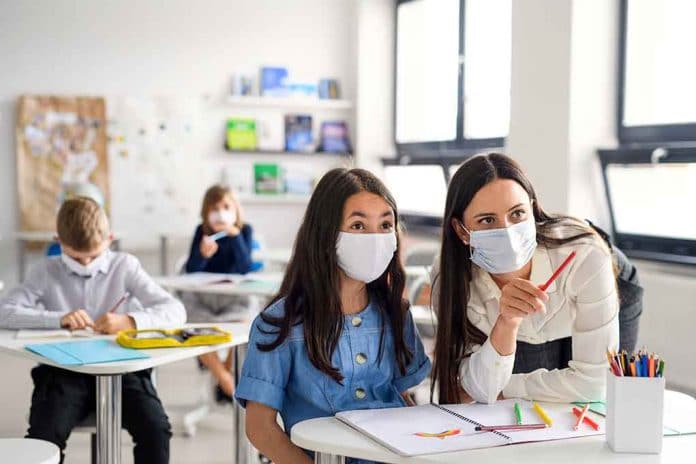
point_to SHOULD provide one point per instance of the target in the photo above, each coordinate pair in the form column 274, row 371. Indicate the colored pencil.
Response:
column 586, row 419
column 542, row 414
column 509, row 428
column 581, row 417
column 558, row 271
column 518, row 414
column 119, row 302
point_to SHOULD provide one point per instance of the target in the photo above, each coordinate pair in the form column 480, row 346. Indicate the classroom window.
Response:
column 651, row 202
column 658, row 101
column 452, row 77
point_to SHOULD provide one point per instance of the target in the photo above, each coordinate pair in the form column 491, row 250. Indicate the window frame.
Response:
column 663, row 249
column 649, row 134
column 460, row 146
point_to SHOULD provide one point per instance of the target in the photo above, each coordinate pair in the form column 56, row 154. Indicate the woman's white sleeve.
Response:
column 485, row 373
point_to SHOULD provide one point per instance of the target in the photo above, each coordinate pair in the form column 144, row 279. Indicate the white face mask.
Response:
column 84, row 270
column 499, row 251
column 223, row 216
column 365, row 257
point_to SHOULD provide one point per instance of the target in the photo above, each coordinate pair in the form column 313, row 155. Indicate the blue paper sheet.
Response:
column 85, row 352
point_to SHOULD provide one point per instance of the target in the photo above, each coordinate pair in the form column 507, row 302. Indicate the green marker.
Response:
column 518, row 413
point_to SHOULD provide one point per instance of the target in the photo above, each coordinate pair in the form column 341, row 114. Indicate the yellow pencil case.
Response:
column 172, row 338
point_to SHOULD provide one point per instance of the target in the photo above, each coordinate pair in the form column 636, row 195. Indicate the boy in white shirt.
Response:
column 76, row 291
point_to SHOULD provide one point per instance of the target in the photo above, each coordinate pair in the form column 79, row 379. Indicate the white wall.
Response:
column 153, row 48
column 563, row 96
column 563, row 108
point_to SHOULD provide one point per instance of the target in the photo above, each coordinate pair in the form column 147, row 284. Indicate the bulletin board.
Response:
column 156, row 170
column 61, row 152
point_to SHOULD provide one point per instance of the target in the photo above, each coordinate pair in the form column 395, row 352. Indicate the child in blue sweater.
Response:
column 222, row 243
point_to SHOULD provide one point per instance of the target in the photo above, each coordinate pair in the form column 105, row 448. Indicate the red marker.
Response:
column 558, row 272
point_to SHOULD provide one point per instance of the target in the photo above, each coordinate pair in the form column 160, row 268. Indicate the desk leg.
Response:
column 244, row 452
column 21, row 259
column 109, row 419
column 323, row 458
column 164, row 265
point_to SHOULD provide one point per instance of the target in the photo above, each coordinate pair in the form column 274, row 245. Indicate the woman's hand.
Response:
column 519, row 299
column 208, row 247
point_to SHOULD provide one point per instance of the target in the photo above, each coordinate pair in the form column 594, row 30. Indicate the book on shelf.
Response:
column 241, row 134
column 298, row 133
column 268, row 178
column 334, row 138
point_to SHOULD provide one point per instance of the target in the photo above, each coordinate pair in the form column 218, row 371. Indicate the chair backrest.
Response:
column 630, row 294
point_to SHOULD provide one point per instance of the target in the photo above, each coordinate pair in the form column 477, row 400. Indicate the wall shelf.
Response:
column 288, row 103
column 272, row 199
column 313, row 154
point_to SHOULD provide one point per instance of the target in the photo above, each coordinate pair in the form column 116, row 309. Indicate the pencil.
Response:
column 558, row 271
column 217, row 236
column 586, row 419
column 511, row 427
column 119, row 302
column 542, row 414
column 633, row 368
column 581, row 417
column 518, row 414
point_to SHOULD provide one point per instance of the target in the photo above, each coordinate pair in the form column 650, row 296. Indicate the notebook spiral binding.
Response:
column 466, row 419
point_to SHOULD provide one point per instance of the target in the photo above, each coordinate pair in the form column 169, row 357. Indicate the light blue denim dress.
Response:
column 285, row 379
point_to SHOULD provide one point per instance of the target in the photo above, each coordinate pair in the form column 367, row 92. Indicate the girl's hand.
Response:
column 208, row 247
column 111, row 323
column 76, row 320
column 520, row 298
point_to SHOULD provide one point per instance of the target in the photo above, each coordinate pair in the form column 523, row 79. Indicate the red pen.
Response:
column 558, row 272
column 586, row 419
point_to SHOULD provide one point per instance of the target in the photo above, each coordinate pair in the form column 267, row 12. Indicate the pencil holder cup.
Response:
column 634, row 413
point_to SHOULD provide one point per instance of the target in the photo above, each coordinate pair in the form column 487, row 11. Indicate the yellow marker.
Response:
column 542, row 414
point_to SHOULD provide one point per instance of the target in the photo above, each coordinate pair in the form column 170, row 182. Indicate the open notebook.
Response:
column 431, row 429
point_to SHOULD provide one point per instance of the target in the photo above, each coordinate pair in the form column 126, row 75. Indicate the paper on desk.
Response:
column 86, row 352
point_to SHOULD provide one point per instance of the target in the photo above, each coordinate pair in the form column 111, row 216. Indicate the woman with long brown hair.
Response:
column 498, row 333
column 338, row 335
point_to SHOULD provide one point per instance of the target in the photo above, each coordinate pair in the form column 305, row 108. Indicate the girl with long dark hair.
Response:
column 338, row 335
column 498, row 333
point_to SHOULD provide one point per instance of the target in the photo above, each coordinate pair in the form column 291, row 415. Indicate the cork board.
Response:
column 61, row 152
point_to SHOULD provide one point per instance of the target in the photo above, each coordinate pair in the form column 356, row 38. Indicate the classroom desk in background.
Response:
column 44, row 238
column 279, row 256
column 108, row 380
column 332, row 440
column 263, row 284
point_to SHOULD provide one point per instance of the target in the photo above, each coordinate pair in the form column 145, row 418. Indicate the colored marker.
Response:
column 555, row 275
column 542, row 414
column 586, row 419
column 581, row 417
column 518, row 414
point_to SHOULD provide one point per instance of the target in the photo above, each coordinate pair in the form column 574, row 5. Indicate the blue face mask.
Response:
column 499, row 251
